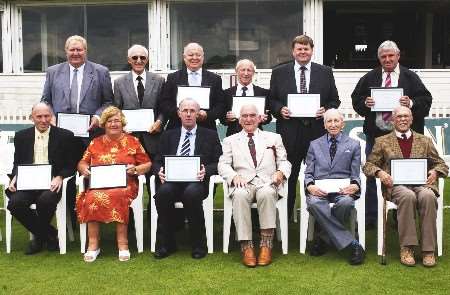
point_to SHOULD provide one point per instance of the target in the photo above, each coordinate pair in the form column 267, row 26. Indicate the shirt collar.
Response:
column 407, row 133
column 249, row 86
column 193, row 131
column 199, row 71
column 297, row 66
column 338, row 137
column 80, row 68
column 45, row 133
column 245, row 133
column 143, row 75
column 396, row 70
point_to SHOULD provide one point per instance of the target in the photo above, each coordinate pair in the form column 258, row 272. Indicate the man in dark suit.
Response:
column 300, row 76
column 187, row 140
column 40, row 144
column 245, row 69
column 194, row 75
column 376, row 124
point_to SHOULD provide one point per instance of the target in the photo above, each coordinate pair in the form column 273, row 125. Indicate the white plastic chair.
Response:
column 62, row 219
column 391, row 205
column 207, row 211
column 282, row 220
column 138, row 212
column 307, row 220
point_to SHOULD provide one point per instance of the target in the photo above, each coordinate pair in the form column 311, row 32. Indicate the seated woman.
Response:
column 110, row 205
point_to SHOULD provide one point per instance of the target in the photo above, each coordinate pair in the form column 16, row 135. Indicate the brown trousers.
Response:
column 409, row 199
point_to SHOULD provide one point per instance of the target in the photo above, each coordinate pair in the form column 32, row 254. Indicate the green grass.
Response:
column 50, row 273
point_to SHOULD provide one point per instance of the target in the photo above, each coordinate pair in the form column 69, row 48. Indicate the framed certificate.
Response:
column 77, row 123
column 303, row 105
column 332, row 185
column 108, row 176
column 386, row 99
column 139, row 120
column 34, row 177
column 181, row 169
column 258, row 101
column 198, row 93
column 409, row 171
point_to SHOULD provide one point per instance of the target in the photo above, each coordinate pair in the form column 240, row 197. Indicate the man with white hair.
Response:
column 254, row 164
column 333, row 156
column 415, row 97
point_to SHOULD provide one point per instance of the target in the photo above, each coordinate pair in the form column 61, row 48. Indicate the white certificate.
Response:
column 386, row 99
column 258, row 101
column 409, row 171
column 139, row 120
column 108, row 176
column 34, row 177
column 332, row 185
column 77, row 123
column 182, row 169
column 197, row 93
column 303, row 105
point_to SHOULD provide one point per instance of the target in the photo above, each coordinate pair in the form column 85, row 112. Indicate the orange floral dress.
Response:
column 110, row 205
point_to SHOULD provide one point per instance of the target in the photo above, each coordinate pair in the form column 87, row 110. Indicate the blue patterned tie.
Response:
column 333, row 148
column 186, row 146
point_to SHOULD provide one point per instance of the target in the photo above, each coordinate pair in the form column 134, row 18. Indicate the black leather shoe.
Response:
column 52, row 244
column 35, row 246
column 163, row 252
column 318, row 248
column 357, row 255
column 198, row 253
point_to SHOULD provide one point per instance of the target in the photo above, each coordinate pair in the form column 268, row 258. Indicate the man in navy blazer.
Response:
column 333, row 156
column 194, row 75
column 300, row 76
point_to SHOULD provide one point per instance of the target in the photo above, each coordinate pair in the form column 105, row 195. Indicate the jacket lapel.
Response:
column 130, row 89
column 393, row 142
column 149, row 84
column 341, row 147
column 175, row 141
column 313, row 80
column 243, row 145
column 88, row 76
column 290, row 79
column 325, row 149
column 51, row 144
column 260, row 148
column 65, row 81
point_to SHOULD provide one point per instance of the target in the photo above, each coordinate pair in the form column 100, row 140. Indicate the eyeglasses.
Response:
column 114, row 121
column 142, row 57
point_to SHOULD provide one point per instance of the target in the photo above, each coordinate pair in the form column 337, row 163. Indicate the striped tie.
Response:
column 387, row 83
column 186, row 147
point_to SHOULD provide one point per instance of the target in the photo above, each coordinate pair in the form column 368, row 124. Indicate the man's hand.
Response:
column 162, row 176
column 56, row 184
column 319, row 113
column 285, row 113
column 156, row 127
column 370, row 102
column 238, row 181
column 201, row 173
column 349, row 190
column 405, row 101
column 385, row 178
column 202, row 115
column 230, row 117
column 264, row 117
column 277, row 178
column 432, row 176
column 12, row 184
column 316, row 191
column 94, row 123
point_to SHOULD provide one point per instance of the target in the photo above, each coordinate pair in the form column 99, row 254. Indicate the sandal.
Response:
column 91, row 255
column 124, row 255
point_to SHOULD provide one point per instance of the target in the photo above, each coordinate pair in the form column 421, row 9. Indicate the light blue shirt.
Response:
column 191, row 140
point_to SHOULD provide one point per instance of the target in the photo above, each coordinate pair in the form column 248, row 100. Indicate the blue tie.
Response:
column 186, row 146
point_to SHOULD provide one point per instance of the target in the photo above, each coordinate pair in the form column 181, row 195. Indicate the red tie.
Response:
column 387, row 83
column 251, row 147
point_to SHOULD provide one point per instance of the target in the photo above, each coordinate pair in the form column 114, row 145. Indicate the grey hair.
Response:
column 388, row 44
column 188, row 99
column 191, row 46
column 252, row 106
column 241, row 62
column 135, row 47
column 332, row 112
column 76, row 38
column 42, row 103
column 400, row 108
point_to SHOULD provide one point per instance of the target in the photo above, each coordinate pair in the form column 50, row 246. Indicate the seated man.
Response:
column 333, row 156
column 187, row 140
column 402, row 142
column 40, row 144
column 254, row 164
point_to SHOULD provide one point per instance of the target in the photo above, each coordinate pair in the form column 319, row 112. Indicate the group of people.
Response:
column 255, row 164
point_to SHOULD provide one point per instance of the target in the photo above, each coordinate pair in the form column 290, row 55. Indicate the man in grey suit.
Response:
column 333, row 156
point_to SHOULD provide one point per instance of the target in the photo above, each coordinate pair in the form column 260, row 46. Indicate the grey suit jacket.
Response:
column 346, row 163
column 96, row 90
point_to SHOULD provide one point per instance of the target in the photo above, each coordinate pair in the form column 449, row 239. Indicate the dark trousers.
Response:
column 36, row 221
column 191, row 195
column 371, row 189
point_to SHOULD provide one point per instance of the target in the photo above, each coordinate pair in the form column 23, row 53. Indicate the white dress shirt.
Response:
column 135, row 82
column 297, row 72
column 407, row 133
column 394, row 77
column 191, row 140
column 248, row 92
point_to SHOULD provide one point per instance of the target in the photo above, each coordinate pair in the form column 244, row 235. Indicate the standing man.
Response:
column 334, row 155
column 300, row 76
column 187, row 140
column 415, row 97
column 40, row 144
column 254, row 164
column 405, row 143
column 194, row 75
column 245, row 69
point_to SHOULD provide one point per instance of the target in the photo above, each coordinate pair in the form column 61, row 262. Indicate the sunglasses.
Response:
column 143, row 58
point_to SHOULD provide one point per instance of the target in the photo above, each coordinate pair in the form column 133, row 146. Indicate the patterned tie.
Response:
column 244, row 89
column 194, row 79
column 387, row 83
column 140, row 90
column 303, row 80
column 186, row 146
column 333, row 148
column 251, row 147
column 74, row 92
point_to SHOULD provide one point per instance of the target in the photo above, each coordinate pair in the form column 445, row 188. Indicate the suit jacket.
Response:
column 60, row 145
column 207, row 146
column 216, row 98
column 235, row 127
column 270, row 157
column 96, row 91
column 412, row 87
column 387, row 148
column 282, row 83
column 125, row 97
column 346, row 162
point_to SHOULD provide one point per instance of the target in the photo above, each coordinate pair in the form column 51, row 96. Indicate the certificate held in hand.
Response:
column 139, row 120
column 77, row 123
column 181, row 169
column 34, row 177
column 108, row 176
column 303, row 105
column 409, row 171
column 386, row 99
column 198, row 93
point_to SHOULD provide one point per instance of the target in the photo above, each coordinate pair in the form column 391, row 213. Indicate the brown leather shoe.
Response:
column 428, row 259
column 265, row 256
column 248, row 257
column 407, row 256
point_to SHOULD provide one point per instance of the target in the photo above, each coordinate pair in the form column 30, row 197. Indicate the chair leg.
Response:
column 283, row 228
column 304, row 221
column 61, row 225
column 138, row 213
column 209, row 220
column 439, row 223
column 380, row 229
column 8, row 232
column 153, row 224
column 83, row 227
column 227, row 214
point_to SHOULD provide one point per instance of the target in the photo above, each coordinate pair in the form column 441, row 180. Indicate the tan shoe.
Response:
column 407, row 256
column 265, row 256
column 248, row 257
column 428, row 259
